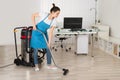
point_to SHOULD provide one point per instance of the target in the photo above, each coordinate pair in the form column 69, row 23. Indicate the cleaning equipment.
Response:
column 26, row 56
column 65, row 71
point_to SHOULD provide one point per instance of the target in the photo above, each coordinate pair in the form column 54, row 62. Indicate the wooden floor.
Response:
column 82, row 67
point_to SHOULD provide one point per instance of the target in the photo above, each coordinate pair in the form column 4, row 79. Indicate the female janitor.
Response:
column 47, row 21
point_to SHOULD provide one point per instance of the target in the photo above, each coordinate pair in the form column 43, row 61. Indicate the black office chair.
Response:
column 62, row 46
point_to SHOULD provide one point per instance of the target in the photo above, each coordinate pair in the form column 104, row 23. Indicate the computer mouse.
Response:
column 90, row 30
column 58, row 30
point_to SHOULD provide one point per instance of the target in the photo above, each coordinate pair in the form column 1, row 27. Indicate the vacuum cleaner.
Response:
column 26, row 56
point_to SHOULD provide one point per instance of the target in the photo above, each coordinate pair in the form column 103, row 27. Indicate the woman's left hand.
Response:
column 49, row 45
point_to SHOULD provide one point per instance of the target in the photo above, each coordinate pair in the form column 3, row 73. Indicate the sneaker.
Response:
column 51, row 67
column 37, row 69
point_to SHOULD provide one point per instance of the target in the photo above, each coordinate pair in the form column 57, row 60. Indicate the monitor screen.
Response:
column 72, row 22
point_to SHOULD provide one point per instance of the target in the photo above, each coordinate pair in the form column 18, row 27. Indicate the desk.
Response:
column 81, row 38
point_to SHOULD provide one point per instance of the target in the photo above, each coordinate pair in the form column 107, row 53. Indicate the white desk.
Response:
column 81, row 37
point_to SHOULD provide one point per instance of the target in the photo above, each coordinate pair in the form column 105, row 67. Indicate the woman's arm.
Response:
column 50, row 35
column 33, row 20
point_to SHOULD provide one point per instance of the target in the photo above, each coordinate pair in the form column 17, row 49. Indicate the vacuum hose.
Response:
column 65, row 71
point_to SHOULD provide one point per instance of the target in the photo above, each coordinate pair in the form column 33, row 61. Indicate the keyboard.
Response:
column 73, row 30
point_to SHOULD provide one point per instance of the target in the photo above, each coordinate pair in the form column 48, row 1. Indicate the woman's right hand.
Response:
column 34, row 27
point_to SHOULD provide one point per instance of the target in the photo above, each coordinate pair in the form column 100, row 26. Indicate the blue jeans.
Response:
column 48, row 54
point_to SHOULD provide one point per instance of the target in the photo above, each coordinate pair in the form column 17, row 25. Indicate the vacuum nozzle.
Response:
column 65, row 71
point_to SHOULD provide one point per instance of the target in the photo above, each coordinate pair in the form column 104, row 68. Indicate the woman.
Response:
column 37, row 41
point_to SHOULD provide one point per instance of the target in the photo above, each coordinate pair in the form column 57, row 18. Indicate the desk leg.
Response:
column 75, row 44
column 92, row 45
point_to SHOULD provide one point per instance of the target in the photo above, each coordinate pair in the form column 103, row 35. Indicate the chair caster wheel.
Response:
column 66, row 50
column 61, row 46
column 70, row 48
column 55, row 49
column 75, row 53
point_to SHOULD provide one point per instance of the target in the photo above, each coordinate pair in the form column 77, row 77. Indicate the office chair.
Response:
column 61, row 45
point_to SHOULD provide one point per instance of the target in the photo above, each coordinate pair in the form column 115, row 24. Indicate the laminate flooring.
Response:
column 82, row 67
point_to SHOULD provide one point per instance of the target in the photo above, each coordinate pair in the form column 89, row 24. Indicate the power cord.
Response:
column 7, row 65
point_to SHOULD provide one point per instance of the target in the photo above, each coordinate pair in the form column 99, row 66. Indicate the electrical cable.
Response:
column 7, row 65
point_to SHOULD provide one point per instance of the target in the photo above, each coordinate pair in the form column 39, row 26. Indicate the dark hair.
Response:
column 54, row 8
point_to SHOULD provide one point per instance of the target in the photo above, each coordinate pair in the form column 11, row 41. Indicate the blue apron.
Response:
column 37, row 40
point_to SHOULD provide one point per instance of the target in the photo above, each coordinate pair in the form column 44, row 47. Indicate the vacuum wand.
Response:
column 65, row 71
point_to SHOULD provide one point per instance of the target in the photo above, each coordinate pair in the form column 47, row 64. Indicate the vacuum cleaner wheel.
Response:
column 17, row 61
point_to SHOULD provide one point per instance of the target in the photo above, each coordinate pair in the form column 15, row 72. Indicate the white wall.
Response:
column 110, row 15
column 15, row 13
column 74, row 8
column 18, row 13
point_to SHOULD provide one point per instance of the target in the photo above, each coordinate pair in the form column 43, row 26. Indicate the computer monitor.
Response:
column 73, row 23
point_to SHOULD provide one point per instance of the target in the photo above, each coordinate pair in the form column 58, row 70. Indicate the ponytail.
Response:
column 54, row 8
column 53, row 5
